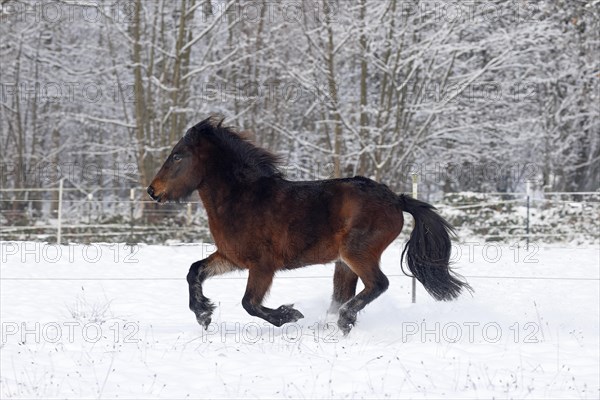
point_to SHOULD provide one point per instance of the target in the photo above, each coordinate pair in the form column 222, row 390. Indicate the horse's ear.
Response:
column 203, row 124
column 210, row 122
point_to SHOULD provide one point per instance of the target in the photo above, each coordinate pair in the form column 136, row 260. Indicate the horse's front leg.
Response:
column 259, row 283
column 213, row 265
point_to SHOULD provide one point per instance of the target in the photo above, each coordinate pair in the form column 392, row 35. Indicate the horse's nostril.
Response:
column 151, row 191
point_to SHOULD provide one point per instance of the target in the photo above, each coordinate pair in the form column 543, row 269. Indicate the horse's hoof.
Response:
column 345, row 328
column 346, row 321
column 295, row 315
column 287, row 313
column 204, row 319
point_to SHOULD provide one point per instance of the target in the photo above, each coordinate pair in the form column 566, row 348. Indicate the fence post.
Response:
column 90, row 197
column 415, row 177
column 528, row 190
column 59, row 211
column 131, row 210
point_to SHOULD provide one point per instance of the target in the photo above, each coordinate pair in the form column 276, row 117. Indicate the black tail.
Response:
column 428, row 251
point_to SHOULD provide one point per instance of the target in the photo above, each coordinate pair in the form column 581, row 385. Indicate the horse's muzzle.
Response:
column 150, row 191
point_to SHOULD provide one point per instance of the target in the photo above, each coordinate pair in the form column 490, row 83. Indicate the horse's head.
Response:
column 184, row 170
column 210, row 150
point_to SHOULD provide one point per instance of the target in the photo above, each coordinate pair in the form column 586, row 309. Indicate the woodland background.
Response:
column 473, row 96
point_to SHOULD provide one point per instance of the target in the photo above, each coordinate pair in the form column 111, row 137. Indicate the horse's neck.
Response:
column 215, row 194
column 216, row 198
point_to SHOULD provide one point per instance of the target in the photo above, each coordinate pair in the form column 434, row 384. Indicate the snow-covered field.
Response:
column 101, row 322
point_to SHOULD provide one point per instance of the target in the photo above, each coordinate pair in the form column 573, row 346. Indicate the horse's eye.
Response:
column 176, row 157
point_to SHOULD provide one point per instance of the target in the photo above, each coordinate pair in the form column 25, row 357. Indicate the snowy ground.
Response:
column 98, row 322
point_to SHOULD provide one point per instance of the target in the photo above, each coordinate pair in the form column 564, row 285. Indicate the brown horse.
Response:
column 263, row 223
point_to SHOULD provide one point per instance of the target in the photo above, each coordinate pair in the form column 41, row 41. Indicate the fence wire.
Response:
column 126, row 215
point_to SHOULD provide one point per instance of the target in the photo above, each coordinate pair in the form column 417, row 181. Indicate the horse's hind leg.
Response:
column 375, row 283
column 344, row 286
column 259, row 283
column 213, row 265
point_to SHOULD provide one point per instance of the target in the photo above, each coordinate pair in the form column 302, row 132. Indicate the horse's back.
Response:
column 325, row 216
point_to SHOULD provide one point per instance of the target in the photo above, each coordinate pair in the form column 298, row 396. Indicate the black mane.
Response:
column 248, row 160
